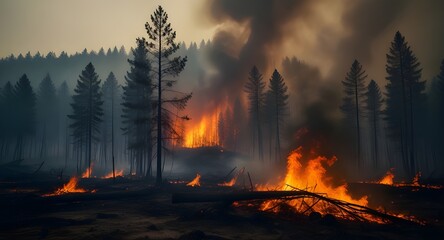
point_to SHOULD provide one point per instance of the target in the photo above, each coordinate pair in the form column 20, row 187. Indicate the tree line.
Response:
column 404, row 118
column 148, row 107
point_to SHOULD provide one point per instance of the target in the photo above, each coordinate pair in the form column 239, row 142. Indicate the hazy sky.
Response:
column 72, row 25
column 328, row 34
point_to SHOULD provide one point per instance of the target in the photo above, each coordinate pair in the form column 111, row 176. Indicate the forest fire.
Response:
column 203, row 133
column 312, row 178
column 118, row 173
column 70, row 187
column 195, row 182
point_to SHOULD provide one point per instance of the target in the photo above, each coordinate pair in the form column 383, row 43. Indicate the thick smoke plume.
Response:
column 263, row 32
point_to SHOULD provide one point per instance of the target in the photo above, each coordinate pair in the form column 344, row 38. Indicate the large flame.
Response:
column 312, row 178
column 195, row 182
column 203, row 133
column 70, row 187
column 118, row 173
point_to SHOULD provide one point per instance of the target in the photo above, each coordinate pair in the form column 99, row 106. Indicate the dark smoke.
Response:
column 266, row 21
column 258, row 32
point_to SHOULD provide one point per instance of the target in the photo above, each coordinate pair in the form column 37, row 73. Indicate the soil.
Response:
column 130, row 208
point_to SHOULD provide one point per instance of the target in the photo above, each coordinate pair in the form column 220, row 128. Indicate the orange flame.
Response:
column 70, row 187
column 233, row 180
column 388, row 178
column 88, row 172
column 119, row 173
column 204, row 133
column 312, row 177
column 195, row 182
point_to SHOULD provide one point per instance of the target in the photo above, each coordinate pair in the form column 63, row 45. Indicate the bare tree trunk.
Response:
column 159, row 115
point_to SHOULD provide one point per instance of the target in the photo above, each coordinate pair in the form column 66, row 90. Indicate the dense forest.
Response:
column 102, row 107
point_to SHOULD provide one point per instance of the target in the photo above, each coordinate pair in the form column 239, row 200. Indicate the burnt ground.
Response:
column 136, row 209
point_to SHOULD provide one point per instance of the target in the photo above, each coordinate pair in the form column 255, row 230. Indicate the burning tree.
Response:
column 87, row 110
column 163, row 47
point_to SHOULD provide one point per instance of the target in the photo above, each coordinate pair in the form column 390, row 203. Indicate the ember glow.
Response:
column 313, row 178
column 70, row 187
column 203, row 133
column 119, row 173
column 195, row 182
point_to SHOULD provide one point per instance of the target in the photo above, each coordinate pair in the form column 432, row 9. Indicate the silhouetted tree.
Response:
column 87, row 109
column 25, row 120
column 7, row 108
column 163, row 47
column 277, row 102
column 436, row 117
column 405, row 98
column 110, row 91
column 138, row 106
column 47, row 113
column 354, row 89
column 374, row 109
column 256, row 97
column 63, row 101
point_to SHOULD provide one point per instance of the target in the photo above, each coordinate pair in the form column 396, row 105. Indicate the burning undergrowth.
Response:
column 308, row 189
column 388, row 179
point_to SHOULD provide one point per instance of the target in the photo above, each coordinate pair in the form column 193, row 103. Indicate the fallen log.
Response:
column 355, row 211
column 232, row 196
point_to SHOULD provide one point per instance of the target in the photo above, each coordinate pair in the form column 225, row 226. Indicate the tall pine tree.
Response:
column 47, row 114
column 163, row 47
column 374, row 109
column 256, row 98
column 405, row 99
column 354, row 89
column 277, row 102
column 138, row 107
column 87, row 110
column 110, row 90
column 25, row 119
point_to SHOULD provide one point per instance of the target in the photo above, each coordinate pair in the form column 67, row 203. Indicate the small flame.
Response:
column 195, row 182
column 233, row 180
column 388, row 178
column 88, row 172
column 70, row 187
column 119, row 173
